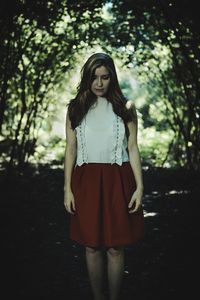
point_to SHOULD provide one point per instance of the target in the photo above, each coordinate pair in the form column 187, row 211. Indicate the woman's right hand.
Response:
column 69, row 202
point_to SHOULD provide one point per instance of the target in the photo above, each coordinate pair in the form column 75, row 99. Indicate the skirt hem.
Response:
column 94, row 245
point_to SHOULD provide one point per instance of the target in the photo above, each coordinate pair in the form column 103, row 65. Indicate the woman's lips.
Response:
column 99, row 90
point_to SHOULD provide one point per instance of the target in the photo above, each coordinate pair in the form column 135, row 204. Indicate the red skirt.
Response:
column 102, row 193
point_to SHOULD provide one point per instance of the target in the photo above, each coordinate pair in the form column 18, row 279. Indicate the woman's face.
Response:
column 100, row 81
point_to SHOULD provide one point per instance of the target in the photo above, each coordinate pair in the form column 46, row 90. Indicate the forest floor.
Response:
column 40, row 262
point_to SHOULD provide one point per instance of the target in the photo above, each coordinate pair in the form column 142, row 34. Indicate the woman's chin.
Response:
column 99, row 92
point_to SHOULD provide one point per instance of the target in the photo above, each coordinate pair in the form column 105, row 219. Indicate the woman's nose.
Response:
column 99, row 82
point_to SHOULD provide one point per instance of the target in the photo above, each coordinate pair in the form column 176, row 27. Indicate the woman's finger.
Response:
column 137, row 205
column 135, row 209
column 73, row 205
column 68, row 207
column 131, row 202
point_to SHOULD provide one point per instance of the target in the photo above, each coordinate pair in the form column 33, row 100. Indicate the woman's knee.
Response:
column 115, row 251
column 92, row 250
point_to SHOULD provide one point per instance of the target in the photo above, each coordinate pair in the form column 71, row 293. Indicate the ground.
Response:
column 40, row 262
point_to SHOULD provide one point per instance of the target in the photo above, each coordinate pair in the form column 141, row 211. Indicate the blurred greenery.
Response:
column 156, row 48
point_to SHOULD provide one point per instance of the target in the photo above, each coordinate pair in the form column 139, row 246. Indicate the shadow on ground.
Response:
column 40, row 262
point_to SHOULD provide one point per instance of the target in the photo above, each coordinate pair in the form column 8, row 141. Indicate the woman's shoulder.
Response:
column 131, row 109
column 130, row 105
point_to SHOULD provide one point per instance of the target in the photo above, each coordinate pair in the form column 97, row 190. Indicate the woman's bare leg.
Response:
column 115, row 261
column 94, row 261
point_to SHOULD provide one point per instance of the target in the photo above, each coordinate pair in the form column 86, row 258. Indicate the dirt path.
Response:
column 40, row 262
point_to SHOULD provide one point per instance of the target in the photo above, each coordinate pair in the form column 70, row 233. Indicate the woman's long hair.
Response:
column 85, row 98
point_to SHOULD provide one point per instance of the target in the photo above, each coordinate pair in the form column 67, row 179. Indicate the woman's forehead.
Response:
column 100, row 71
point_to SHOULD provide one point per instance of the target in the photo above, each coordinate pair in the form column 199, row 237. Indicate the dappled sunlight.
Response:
column 150, row 214
column 175, row 192
column 161, row 197
column 153, row 195
column 157, row 194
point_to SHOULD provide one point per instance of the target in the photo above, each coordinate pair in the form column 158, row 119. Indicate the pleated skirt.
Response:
column 102, row 192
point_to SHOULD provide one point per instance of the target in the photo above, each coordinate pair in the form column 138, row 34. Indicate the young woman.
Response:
column 103, row 184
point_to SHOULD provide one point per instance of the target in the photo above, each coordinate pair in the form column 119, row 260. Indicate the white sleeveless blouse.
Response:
column 101, row 136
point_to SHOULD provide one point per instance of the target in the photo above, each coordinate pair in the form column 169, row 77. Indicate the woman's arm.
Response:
column 70, row 157
column 135, row 162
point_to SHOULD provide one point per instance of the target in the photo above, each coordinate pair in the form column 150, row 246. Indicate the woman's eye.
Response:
column 103, row 78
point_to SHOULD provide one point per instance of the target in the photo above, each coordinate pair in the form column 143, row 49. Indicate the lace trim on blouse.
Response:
column 117, row 141
column 82, row 150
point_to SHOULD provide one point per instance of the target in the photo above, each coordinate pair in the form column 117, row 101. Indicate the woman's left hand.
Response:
column 136, row 199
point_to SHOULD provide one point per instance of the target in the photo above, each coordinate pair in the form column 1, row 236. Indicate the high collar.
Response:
column 100, row 98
